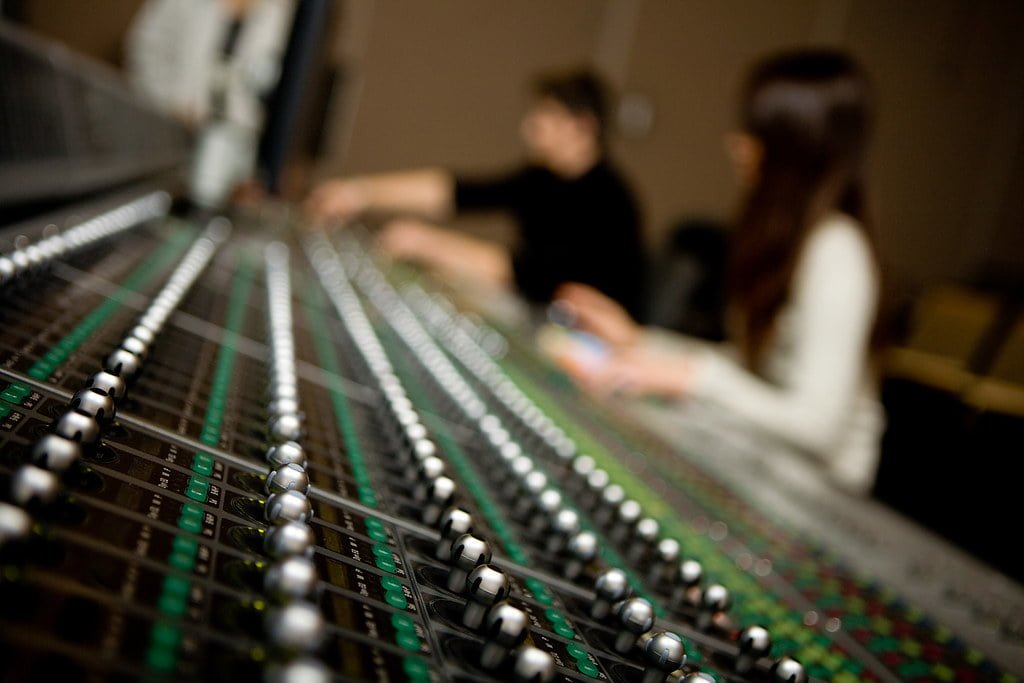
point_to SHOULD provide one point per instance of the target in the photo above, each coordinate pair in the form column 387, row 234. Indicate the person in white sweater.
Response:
column 804, row 280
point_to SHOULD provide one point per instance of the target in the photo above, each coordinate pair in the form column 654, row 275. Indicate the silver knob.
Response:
column 290, row 477
column 788, row 670
column 564, row 526
column 438, row 496
column 664, row 653
column 533, row 665
column 291, row 578
column 15, row 523
column 286, row 428
column 31, row 484
column 296, row 626
column 288, row 506
column 468, row 552
column 754, row 642
column 299, row 671
column 107, row 383
column 582, row 551
column 286, row 453
column 454, row 523
column 290, row 538
column 714, row 600
column 611, row 587
column 636, row 616
column 505, row 627
column 122, row 363
column 485, row 586
column 93, row 404
column 56, row 453
column 77, row 427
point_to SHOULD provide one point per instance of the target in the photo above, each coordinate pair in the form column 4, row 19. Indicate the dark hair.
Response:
column 811, row 112
column 581, row 91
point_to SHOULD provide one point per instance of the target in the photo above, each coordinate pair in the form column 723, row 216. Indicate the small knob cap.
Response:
column 31, row 485
column 533, row 665
column 299, row 671
column 468, row 552
column 788, row 670
column 122, row 363
column 288, row 506
column 56, row 453
column 286, row 453
column 296, row 626
column 663, row 654
column 93, row 404
column 77, row 427
column 636, row 616
column 582, row 551
column 505, row 627
column 290, row 538
column 611, row 586
column 107, row 383
column 754, row 642
column 15, row 524
column 290, row 477
column 291, row 578
column 485, row 586
column 286, row 428
column 454, row 522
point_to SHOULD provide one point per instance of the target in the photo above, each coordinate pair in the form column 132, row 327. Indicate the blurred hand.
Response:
column 641, row 371
column 598, row 314
column 407, row 239
column 338, row 198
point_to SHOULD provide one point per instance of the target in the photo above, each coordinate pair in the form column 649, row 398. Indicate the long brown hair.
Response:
column 811, row 113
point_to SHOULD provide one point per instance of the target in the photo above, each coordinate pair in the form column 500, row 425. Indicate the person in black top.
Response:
column 578, row 219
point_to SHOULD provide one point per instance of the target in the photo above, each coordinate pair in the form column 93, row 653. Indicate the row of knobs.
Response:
column 295, row 627
column 35, row 257
column 606, row 501
column 488, row 611
column 94, row 405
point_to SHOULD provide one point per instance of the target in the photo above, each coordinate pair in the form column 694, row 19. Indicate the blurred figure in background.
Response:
column 211, row 64
column 803, row 286
column 577, row 217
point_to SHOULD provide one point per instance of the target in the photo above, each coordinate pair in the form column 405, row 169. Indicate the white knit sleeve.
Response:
column 833, row 307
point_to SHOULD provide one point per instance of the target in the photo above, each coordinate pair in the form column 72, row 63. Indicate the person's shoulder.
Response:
column 838, row 234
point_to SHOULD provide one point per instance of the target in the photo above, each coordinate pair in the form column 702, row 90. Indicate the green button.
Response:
column 390, row 583
column 403, row 622
column 554, row 616
column 193, row 524
column 182, row 561
column 414, row 666
column 383, row 551
column 173, row 605
column 15, row 393
column 408, row 641
column 564, row 630
column 386, row 564
column 5, row 410
column 160, row 658
column 185, row 544
column 587, row 667
column 377, row 535
column 166, row 636
column 197, row 488
column 176, row 586
column 575, row 651
column 40, row 370
column 374, row 523
column 202, row 463
column 396, row 599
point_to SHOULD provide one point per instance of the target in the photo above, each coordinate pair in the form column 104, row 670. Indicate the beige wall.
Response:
column 444, row 82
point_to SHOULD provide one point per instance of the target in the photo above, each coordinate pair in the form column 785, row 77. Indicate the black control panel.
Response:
column 237, row 451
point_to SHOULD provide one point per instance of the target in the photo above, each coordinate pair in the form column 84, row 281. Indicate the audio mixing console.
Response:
column 243, row 452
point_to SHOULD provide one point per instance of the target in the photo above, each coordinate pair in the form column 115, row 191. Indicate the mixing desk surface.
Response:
column 242, row 452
